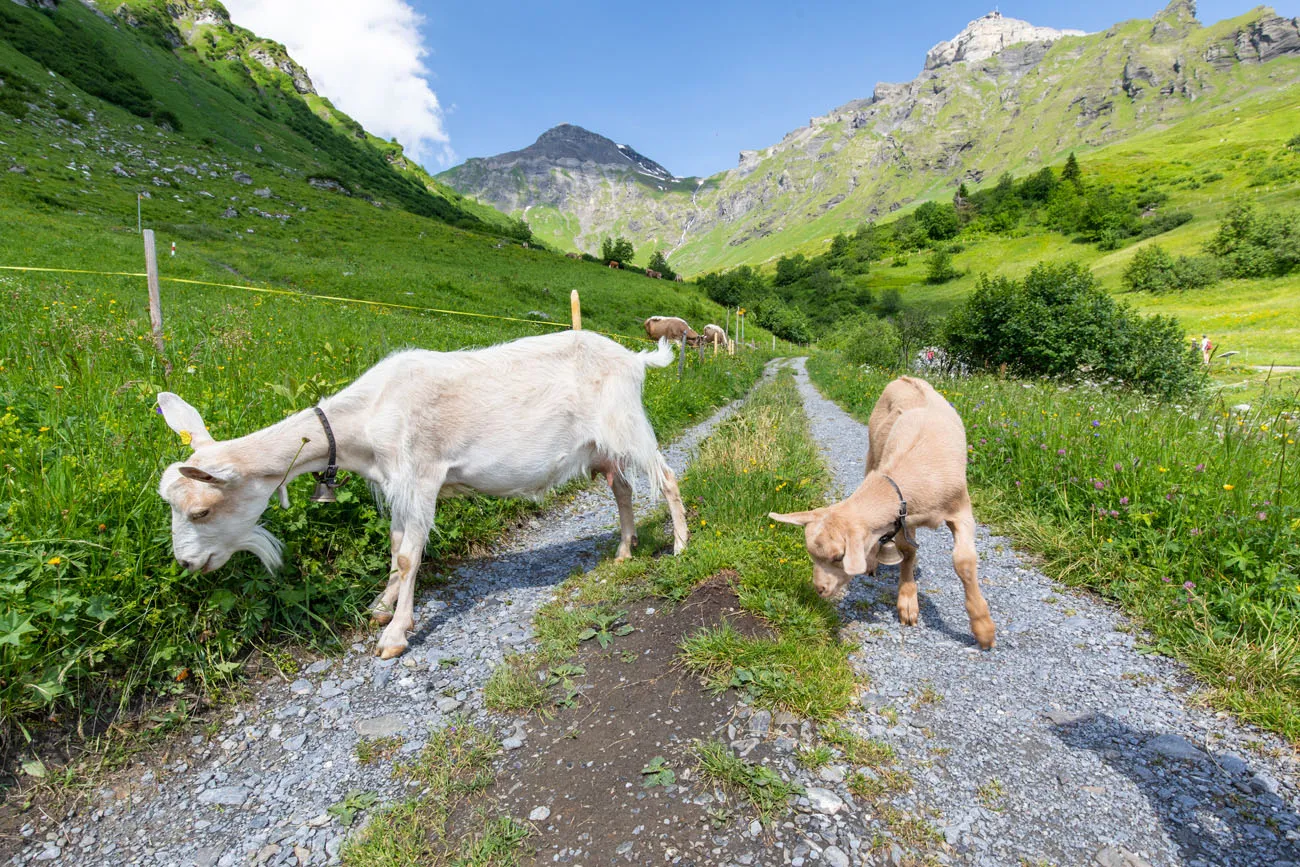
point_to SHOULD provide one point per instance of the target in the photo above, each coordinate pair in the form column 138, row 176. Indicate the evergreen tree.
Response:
column 1072, row 172
column 659, row 262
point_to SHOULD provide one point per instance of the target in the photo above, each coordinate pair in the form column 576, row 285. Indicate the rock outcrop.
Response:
column 985, row 37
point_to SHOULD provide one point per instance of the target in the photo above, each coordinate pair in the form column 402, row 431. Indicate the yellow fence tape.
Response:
column 291, row 293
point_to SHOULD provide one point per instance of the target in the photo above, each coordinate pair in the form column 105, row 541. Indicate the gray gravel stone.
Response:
column 539, row 814
column 226, row 796
column 381, row 726
column 824, row 800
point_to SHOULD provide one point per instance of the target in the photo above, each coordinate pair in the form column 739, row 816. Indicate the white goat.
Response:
column 513, row 420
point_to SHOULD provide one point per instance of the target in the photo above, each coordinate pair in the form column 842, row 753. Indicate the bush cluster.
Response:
column 1248, row 244
column 1153, row 270
column 1059, row 322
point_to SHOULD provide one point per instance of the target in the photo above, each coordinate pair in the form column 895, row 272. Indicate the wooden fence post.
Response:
column 575, row 307
column 715, row 344
column 155, row 300
column 681, row 359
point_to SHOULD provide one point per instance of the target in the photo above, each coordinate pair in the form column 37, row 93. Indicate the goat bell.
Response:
column 324, row 493
column 889, row 555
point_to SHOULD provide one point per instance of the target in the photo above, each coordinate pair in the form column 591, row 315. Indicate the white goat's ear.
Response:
column 204, row 476
column 183, row 418
column 799, row 519
column 283, row 493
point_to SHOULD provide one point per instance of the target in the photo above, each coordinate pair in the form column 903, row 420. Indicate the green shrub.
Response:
column 868, row 340
column 1250, row 245
column 1059, row 322
column 786, row 322
column 939, row 268
column 1153, row 270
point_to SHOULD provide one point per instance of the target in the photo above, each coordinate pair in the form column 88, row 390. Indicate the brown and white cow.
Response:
column 672, row 327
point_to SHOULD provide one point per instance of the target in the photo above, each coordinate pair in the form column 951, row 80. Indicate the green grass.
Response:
column 452, row 771
column 761, row 786
column 1186, row 515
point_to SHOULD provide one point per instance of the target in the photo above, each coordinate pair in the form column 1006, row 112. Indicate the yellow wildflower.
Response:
column 54, row 561
column 1228, row 487
column 186, row 437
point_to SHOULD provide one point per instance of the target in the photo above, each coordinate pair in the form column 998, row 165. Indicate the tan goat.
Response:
column 916, row 477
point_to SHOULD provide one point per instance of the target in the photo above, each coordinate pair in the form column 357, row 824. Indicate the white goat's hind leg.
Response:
column 668, row 482
column 381, row 610
column 626, row 517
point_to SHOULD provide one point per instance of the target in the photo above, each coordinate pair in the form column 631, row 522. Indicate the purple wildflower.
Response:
column 1119, row 468
column 1114, row 514
column 1096, row 423
column 1060, row 452
column 1123, row 501
column 1194, row 531
column 1166, row 579
column 1200, row 468
column 1189, row 586
column 1098, row 484
column 1263, row 516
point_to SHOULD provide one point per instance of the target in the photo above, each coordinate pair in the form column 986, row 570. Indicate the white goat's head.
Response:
column 216, row 497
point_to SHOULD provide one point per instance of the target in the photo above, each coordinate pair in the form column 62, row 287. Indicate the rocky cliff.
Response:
column 1001, row 96
column 987, row 36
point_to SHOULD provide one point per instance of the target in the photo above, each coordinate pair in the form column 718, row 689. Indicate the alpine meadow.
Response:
column 1087, row 242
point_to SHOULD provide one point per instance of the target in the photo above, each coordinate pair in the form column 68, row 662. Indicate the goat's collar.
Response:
column 900, row 521
column 328, row 480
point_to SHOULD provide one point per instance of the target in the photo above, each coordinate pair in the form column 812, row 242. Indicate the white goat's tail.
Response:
column 661, row 357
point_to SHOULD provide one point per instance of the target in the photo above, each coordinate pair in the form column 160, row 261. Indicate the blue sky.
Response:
column 690, row 84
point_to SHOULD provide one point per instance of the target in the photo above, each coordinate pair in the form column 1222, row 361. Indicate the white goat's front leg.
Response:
column 381, row 610
column 410, row 551
column 668, row 482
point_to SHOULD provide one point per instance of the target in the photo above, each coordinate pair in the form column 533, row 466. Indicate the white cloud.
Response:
column 366, row 57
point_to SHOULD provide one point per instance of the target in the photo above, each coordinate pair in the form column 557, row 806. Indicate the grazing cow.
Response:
column 513, row 420
column 916, row 477
column 572, row 256
column 714, row 334
column 671, row 327
column 678, row 279
column 613, row 263
column 653, row 275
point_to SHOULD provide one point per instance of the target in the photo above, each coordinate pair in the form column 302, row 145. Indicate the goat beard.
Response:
column 265, row 547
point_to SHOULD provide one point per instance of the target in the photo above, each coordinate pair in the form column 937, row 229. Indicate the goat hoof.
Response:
column 908, row 616
column 380, row 618
column 389, row 652
column 985, row 634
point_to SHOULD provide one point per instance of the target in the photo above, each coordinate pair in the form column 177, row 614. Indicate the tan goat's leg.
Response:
column 674, row 497
column 908, row 609
column 381, row 610
column 966, row 562
column 626, row 517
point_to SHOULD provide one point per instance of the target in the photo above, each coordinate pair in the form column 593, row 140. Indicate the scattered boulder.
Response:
column 242, row 178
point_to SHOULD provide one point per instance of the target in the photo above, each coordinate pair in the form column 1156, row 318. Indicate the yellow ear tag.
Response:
column 185, row 437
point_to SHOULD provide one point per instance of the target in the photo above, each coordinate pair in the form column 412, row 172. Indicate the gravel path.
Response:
column 1064, row 745
column 257, row 790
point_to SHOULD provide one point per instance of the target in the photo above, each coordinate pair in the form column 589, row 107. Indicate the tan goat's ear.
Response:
column 184, row 419
column 204, row 476
column 855, row 554
column 799, row 519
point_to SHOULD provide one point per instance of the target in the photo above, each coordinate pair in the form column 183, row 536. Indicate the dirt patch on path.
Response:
column 583, row 767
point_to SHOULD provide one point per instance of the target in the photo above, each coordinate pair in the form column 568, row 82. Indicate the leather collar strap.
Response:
column 900, row 522
column 329, row 477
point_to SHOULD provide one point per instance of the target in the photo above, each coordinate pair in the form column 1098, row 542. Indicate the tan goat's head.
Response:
column 216, row 497
column 839, row 544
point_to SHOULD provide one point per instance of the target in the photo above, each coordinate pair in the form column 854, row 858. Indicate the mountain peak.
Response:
column 570, row 145
column 985, row 37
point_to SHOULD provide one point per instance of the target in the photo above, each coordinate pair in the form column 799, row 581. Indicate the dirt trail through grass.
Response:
column 1065, row 745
